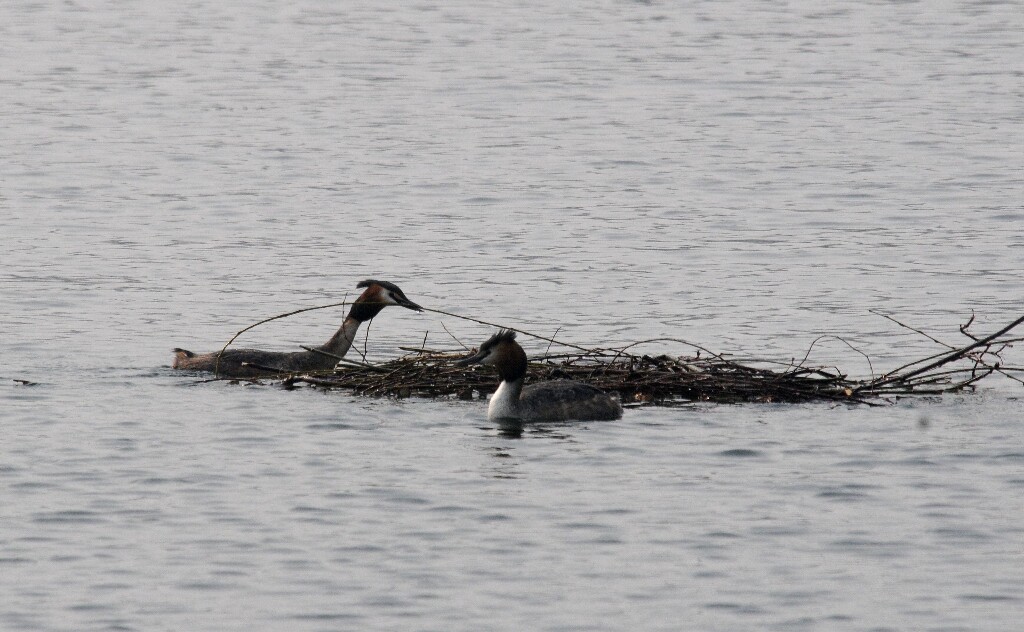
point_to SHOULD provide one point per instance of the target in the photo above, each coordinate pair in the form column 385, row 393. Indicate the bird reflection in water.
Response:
column 507, row 465
column 512, row 428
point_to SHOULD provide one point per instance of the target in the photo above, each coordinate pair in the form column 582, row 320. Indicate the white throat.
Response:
column 505, row 401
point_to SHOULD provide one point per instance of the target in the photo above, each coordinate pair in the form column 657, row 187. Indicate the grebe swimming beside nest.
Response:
column 255, row 363
column 557, row 400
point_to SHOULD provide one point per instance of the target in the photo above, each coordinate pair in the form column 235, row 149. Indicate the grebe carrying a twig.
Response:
column 255, row 363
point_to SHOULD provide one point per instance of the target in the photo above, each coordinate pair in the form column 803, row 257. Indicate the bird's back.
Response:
column 564, row 400
column 253, row 362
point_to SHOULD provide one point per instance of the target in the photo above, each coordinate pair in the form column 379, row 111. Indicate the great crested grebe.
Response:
column 377, row 296
column 557, row 400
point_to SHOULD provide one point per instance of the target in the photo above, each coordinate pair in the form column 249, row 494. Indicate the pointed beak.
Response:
column 473, row 359
column 406, row 303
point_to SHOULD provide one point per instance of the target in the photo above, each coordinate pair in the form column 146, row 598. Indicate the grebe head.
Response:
column 503, row 353
column 377, row 296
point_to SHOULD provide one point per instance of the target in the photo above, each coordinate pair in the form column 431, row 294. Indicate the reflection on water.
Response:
column 511, row 428
column 506, row 465
column 515, row 429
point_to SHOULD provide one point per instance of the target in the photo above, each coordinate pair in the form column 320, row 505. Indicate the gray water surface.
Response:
column 747, row 176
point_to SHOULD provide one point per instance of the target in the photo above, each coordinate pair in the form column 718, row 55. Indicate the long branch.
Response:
column 956, row 355
column 216, row 366
column 525, row 333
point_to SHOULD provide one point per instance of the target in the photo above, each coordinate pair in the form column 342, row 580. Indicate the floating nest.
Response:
column 674, row 380
column 643, row 379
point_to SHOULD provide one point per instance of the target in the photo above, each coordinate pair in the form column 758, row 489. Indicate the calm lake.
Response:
column 749, row 176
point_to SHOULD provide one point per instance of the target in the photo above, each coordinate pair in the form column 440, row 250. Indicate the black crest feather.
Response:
column 387, row 285
column 503, row 335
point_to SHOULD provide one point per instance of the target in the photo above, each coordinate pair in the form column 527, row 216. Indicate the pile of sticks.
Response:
column 674, row 380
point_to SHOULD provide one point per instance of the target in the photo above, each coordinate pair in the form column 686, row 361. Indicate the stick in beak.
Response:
column 406, row 303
